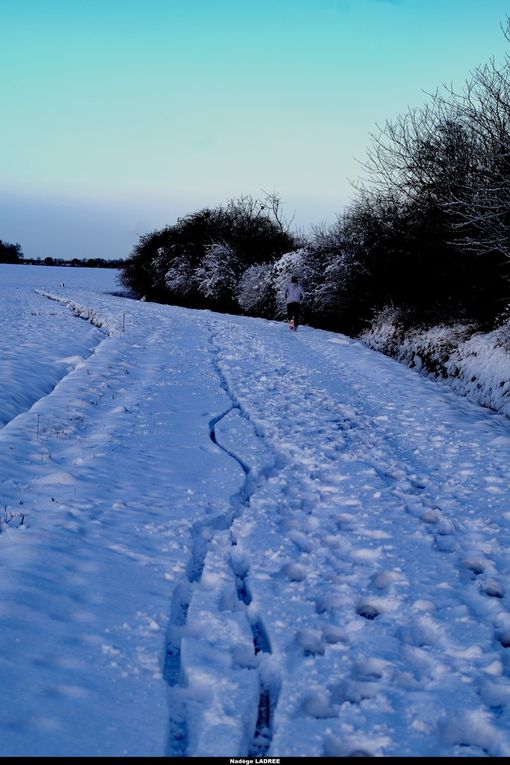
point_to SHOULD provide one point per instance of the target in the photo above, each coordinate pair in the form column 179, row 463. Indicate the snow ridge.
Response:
column 38, row 349
column 109, row 324
column 474, row 364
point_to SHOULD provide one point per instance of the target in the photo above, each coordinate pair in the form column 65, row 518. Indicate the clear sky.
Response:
column 118, row 116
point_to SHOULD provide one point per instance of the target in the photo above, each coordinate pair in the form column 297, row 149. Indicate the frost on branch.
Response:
column 218, row 273
column 255, row 293
column 179, row 279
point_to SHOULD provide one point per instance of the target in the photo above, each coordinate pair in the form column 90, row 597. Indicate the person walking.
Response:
column 294, row 295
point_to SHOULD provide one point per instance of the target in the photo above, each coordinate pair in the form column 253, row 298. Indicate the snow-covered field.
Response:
column 222, row 538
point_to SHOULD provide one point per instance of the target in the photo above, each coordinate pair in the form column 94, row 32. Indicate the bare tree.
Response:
column 481, row 205
column 273, row 204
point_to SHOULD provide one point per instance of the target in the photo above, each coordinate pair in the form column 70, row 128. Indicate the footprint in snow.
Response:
column 244, row 657
column 334, row 634
column 346, row 522
column 492, row 588
column 296, row 572
column 422, row 631
column 372, row 669
column 311, row 642
column 329, row 602
column 367, row 611
column 318, row 704
column 444, row 542
column 431, row 516
column 503, row 637
column 301, row 541
column 335, row 747
column 353, row 691
column 359, row 753
column 474, row 565
column 495, row 693
column 382, row 580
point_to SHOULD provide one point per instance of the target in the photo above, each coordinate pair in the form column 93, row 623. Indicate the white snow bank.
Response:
column 475, row 364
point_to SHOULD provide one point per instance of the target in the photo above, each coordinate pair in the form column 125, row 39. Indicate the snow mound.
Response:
column 474, row 364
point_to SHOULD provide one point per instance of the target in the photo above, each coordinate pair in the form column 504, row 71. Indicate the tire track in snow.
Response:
column 268, row 693
column 177, row 735
column 212, row 435
column 203, row 532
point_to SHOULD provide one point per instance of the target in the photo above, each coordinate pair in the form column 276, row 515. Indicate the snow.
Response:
column 222, row 538
column 474, row 364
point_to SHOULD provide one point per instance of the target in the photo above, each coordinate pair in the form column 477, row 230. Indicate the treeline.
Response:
column 10, row 253
column 202, row 260
column 428, row 232
column 75, row 262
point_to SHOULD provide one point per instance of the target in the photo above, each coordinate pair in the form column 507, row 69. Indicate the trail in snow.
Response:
column 214, row 549
column 274, row 543
column 317, row 553
column 267, row 699
column 110, row 485
column 413, row 588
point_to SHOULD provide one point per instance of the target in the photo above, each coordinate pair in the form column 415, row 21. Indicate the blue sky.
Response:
column 120, row 115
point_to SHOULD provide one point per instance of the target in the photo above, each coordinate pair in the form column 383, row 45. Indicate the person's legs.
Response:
column 291, row 310
column 297, row 315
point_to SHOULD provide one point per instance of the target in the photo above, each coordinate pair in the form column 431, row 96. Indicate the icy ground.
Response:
column 222, row 538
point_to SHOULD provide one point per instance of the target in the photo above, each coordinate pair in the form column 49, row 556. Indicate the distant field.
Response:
column 19, row 276
column 41, row 340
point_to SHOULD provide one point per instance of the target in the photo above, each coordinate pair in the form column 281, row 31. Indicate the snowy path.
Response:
column 237, row 540
column 382, row 572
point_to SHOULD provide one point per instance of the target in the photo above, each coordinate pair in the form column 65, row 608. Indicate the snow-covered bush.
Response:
column 386, row 331
column 480, row 369
column 196, row 261
column 180, row 278
column 158, row 267
column 218, row 273
column 474, row 364
column 429, row 349
column 255, row 291
column 426, row 349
